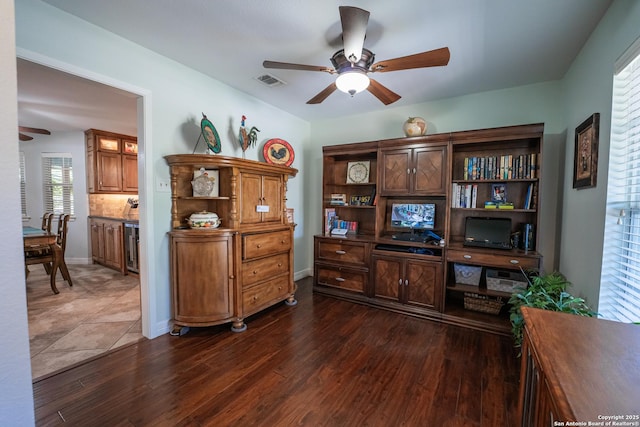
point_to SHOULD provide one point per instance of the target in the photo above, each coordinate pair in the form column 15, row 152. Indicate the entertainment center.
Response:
column 441, row 206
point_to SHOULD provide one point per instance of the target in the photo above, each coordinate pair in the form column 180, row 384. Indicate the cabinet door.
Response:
column 97, row 241
column 428, row 172
column 129, row 173
column 424, row 279
column 388, row 278
column 272, row 197
column 396, row 172
column 250, row 198
column 202, row 279
column 113, row 237
column 109, row 172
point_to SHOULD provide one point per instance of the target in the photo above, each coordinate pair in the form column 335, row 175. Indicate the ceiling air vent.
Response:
column 269, row 80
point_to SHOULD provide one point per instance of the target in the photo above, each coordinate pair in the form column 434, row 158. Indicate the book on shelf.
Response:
column 350, row 226
column 464, row 195
column 338, row 199
column 508, row 166
column 329, row 215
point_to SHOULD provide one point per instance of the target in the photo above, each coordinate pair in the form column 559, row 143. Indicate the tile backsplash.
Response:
column 110, row 205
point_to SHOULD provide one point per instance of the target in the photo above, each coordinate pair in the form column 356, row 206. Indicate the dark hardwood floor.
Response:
column 324, row 362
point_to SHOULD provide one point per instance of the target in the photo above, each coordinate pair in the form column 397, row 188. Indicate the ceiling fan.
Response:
column 25, row 129
column 354, row 62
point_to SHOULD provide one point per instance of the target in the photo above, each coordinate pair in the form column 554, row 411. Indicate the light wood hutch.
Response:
column 246, row 264
column 414, row 277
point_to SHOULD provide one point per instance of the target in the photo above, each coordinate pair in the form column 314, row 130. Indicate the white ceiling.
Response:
column 494, row 44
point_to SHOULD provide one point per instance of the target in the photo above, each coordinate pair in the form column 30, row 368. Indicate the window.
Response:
column 57, row 182
column 620, row 280
column 23, row 192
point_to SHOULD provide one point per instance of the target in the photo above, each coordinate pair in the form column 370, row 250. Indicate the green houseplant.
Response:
column 548, row 292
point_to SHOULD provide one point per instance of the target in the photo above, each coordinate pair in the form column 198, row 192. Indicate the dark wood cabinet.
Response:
column 578, row 369
column 407, row 280
column 417, row 170
column 112, row 162
column 224, row 274
column 377, row 265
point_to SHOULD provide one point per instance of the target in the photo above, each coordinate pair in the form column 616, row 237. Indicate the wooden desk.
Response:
column 578, row 370
column 35, row 237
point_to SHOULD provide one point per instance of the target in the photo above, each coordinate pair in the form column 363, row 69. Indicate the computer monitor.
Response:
column 414, row 216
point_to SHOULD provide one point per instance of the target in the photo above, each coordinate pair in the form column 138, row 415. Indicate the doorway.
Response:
column 62, row 111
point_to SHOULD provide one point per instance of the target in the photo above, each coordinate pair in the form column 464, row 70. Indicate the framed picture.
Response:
column 498, row 193
column 585, row 160
column 205, row 183
column 358, row 172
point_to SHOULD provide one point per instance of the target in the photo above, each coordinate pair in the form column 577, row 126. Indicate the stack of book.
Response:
column 464, row 195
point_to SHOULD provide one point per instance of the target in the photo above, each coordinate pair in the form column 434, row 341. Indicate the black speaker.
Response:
column 528, row 239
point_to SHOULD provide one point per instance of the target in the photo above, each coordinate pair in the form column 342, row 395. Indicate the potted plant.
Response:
column 548, row 292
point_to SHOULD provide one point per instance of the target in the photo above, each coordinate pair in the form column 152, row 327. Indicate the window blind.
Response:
column 23, row 191
column 57, row 182
column 620, row 279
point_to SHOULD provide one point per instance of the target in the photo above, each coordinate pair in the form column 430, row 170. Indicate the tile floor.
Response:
column 99, row 313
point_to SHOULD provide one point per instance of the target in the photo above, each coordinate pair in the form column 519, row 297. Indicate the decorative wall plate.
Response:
column 278, row 152
column 210, row 135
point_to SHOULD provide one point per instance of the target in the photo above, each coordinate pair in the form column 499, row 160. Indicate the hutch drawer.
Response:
column 259, row 245
column 264, row 268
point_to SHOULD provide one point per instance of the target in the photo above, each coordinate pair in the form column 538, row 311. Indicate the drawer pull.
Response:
column 283, row 241
column 514, row 261
column 400, row 282
column 466, row 256
column 339, row 279
column 255, row 272
column 341, row 252
column 406, row 282
column 258, row 246
column 279, row 264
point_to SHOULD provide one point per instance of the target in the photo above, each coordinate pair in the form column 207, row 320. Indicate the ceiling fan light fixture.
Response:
column 352, row 82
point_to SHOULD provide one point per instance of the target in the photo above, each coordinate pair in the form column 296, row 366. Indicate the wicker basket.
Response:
column 482, row 303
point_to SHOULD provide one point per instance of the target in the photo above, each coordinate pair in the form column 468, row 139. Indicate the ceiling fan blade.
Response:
column 432, row 58
column 24, row 137
column 323, row 95
column 300, row 67
column 384, row 94
column 33, row 130
column 354, row 29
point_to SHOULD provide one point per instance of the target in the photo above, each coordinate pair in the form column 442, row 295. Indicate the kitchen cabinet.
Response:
column 107, row 243
column 111, row 162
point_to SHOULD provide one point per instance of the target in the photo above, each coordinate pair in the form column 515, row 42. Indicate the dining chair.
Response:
column 45, row 257
column 47, row 219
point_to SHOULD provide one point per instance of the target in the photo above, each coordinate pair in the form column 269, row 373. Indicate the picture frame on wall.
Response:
column 585, row 160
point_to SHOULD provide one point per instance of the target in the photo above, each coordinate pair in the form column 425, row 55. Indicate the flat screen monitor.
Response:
column 488, row 232
column 415, row 216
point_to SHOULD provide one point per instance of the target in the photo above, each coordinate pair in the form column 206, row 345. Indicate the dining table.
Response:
column 35, row 238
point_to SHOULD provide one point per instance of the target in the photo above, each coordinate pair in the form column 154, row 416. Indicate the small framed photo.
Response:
column 585, row 160
column 290, row 215
column 498, row 193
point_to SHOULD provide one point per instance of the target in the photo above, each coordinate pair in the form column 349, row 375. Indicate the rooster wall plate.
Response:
column 278, row 152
